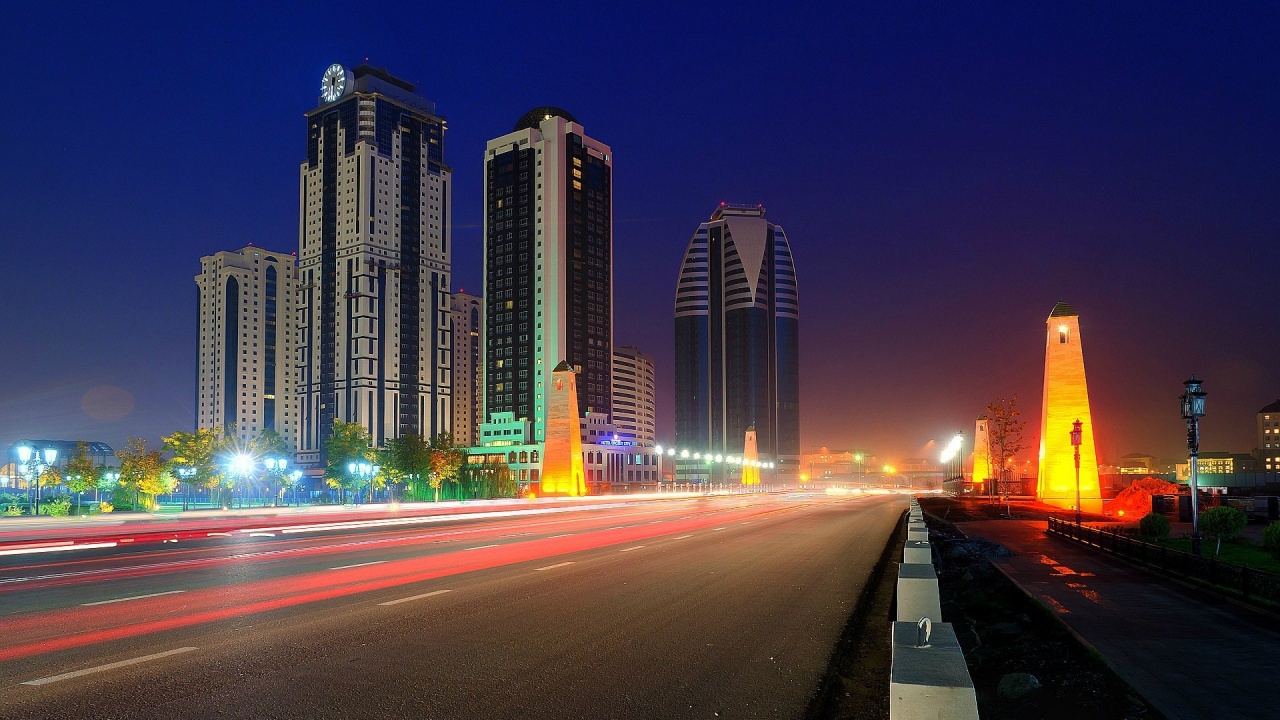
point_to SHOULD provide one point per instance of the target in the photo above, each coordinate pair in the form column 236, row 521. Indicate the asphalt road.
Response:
column 712, row 607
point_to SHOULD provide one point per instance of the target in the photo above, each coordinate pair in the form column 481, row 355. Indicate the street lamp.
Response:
column 275, row 466
column 241, row 466
column 187, row 474
column 1192, row 411
column 364, row 471
column 1076, row 434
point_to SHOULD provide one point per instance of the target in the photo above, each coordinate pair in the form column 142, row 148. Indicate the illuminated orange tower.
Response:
column 981, row 453
column 562, row 472
column 750, row 470
column 1066, row 399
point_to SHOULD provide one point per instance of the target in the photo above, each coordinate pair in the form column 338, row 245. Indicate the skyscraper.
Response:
column 468, row 380
column 634, row 404
column 245, row 376
column 548, row 292
column 737, row 317
column 374, row 343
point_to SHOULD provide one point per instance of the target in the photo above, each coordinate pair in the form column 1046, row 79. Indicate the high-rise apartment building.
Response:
column 548, row 234
column 374, row 232
column 245, row 377
column 634, row 403
column 737, row 317
column 468, row 380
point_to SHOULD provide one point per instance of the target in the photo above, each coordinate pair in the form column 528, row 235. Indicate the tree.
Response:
column 405, row 459
column 1222, row 523
column 1005, row 434
column 1271, row 539
column 82, row 473
column 1154, row 525
column 446, row 461
column 197, row 451
column 348, row 443
column 143, row 470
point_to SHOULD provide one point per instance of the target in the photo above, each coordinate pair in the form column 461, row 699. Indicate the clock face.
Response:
column 334, row 83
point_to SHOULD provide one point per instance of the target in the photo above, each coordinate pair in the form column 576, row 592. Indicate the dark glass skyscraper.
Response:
column 548, row 289
column 737, row 317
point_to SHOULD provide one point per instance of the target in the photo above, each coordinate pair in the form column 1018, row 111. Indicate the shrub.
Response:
column 13, row 510
column 1222, row 523
column 58, row 507
column 1154, row 526
column 105, row 506
column 1271, row 539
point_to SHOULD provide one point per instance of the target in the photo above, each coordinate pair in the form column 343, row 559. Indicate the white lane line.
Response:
column 219, row 534
column 262, row 534
column 616, row 527
column 745, row 522
column 415, row 597
column 553, row 537
column 56, row 548
column 553, row 567
column 719, row 528
column 637, row 547
column 682, row 537
column 108, row 666
column 480, row 547
column 363, row 564
column 131, row 597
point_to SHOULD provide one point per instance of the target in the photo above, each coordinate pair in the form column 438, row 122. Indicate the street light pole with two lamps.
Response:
column 1192, row 411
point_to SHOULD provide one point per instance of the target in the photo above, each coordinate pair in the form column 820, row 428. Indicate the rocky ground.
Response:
column 1024, row 662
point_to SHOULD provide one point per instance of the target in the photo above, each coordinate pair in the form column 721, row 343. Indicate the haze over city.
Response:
column 945, row 175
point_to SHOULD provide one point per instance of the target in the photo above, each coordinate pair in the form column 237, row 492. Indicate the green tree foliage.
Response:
column 269, row 443
column 446, row 461
column 143, row 470
column 1271, row 539
column 406, row 459
column 82, row 473
column 1222, row 523
column 50, row 476
column 1154, row 526
column 197, row 450
column 349, row 443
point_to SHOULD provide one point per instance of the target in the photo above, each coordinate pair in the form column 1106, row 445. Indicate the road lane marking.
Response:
column 616, row 527
column 55, row 548
column 415, row 597
column 108, row 666
column 480, row 547
column 553, row 537
column 682, row 537
column 219, row 534
column 132, row 597
column 363, row 564
column 553, row 567
column 719, row 528
column 637, row 547
column 262, row 534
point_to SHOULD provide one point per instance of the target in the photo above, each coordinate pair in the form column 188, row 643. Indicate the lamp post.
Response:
column 26, row 453
column 297, row 481
column 1076, row 434
column 364, row 471
column 241, row 466
column 1192, row 411
column 187, row 474
column 275, row 465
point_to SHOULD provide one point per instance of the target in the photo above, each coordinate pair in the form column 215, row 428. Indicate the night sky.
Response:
column 945, row 172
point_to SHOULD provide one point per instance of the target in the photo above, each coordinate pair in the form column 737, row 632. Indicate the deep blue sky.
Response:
column 945, row 171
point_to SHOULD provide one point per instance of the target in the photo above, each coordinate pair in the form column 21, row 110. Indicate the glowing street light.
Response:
column 1192, row 411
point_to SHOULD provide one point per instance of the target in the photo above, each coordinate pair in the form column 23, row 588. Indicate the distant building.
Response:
column 737, row 318
column 1138, row 464
column 245, row 372
column 373, row 263
column 634, row 401
column 468, row 379
column 1219, row 463
column 1268, row 426
column 548, row 260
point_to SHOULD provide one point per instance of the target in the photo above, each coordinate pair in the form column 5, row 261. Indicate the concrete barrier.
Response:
column 931, row 681
column 916, row 551
column 918, row 592
column 920, row 535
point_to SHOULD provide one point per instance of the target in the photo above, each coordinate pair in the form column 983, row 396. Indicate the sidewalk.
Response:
column 1190, row 654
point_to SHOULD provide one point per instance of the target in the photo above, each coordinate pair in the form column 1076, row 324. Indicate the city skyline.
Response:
column 1145, row 219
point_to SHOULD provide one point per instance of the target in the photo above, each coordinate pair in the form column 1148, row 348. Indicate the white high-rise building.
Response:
column 634, row 403
column 374, row 241
column 248, row 329
column 468, row 380
column 548, row 293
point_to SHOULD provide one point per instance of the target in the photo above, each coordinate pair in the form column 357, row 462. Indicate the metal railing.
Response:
column 1251, row 584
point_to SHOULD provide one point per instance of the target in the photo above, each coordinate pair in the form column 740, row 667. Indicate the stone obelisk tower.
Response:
column 750, row 473
column 981, row 455
column 1066, row 399
column 562, row 472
